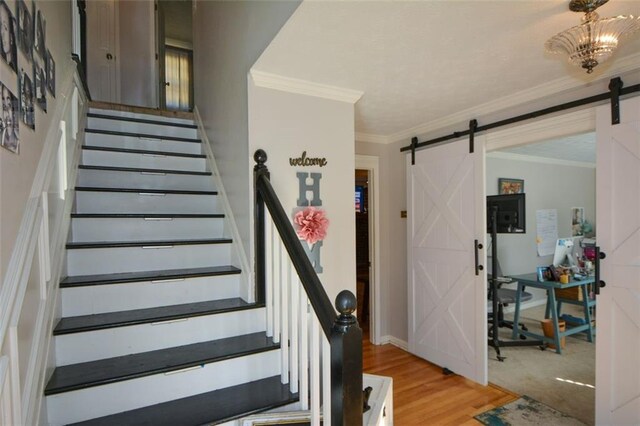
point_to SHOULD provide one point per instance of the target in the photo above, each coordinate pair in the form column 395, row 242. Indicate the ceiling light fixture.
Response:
column 594, row 41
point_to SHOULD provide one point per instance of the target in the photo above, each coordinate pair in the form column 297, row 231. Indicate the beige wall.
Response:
column 392, row 238
column 17, row 171
column 228, row 37
column 286, row 124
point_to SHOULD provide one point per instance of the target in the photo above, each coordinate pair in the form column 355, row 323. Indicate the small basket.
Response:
column 572, row 293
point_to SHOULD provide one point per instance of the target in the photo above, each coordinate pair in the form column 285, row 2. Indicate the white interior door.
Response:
column 102, row 50
column 447, row 300
column 618, row 234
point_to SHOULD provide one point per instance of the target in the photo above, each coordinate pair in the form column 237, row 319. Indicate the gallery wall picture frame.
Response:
column 26, row 100
column 50, row 69
column 40, row 35
column 8, row 37
column 510, row 186
column 25, row 30
column 9, row 120
column 40, row 86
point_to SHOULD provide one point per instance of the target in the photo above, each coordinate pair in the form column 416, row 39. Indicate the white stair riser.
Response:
column 100, row 401
column 142, row 128
column 138, row 259
column 133, row 202
column 143, row 161
column 100, row 344
column 139, row 229
column 133, row 142
column 144, row 180
column 98, row 299
column 140, row 116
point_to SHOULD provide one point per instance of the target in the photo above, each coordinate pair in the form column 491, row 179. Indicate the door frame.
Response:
column 371, row 163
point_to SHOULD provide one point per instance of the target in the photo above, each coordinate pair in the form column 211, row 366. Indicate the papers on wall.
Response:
column 547, row 231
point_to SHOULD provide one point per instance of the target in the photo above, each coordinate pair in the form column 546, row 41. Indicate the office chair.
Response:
column 505, row 297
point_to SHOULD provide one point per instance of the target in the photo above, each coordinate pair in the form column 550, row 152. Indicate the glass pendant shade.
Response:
column 594, row 41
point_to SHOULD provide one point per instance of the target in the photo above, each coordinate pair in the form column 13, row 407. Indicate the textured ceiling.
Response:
column 581, row 148
column 420, row 61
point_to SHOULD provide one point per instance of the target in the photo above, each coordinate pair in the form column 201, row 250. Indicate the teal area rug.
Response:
column 526, row 411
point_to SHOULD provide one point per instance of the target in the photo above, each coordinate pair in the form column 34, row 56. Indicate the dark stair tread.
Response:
column 152, row 243
column 112, row 370
column 142, row 135
column 130, row 277
column 209, row 408
column 146, row 215
column 142, row 151
column 144, row 170
column 141, row 120
column 143, row 190
column 103, row 321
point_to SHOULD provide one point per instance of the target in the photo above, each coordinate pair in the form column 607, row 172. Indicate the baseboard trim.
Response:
column 402, row 344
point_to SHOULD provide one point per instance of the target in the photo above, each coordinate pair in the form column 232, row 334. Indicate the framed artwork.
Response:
column 8, row 45
column 50, row 66
column 25, row 30
column 9, row 121
column 40, row 85
column 26, row 100
column 510, row 186
column 39, row 39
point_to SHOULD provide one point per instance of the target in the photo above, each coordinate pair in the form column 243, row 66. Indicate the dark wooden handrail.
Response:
column 341, row 330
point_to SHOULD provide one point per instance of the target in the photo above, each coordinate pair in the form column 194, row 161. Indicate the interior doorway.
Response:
column 367, row 208
column 558, row 178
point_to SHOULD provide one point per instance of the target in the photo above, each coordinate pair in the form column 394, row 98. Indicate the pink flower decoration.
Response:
column 312, row 224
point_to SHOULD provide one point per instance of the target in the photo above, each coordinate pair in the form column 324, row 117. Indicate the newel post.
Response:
column 346, row 364
column 260, row 170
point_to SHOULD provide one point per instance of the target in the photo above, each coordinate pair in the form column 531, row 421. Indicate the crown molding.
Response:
column 304, row 87
column 621, row 66
column 372, row 138
column 535, row 159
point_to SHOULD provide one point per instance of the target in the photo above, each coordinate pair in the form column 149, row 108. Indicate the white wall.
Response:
column 547, row 186
column 17, row 171
column 393, row 237
column 286, row 124
column 228, row 37
column 138, row 73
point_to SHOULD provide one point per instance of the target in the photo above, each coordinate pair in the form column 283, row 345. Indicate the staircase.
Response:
column 153, row 328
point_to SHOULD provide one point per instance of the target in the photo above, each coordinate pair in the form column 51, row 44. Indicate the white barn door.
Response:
column 618, row 235
column 447, row 299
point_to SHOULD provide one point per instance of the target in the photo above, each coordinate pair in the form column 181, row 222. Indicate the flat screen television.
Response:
column 510, row 213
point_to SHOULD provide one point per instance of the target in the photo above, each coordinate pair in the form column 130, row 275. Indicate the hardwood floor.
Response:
column 422, row 395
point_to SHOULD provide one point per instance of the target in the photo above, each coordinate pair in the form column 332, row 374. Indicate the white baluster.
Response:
column 268, row 231
column 304, row 350
column 326, row 379
column 315, row 370
column 295, row 318
column 284, row 293
column 277, row 285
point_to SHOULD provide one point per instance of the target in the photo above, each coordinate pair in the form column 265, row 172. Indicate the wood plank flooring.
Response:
column 422, row 395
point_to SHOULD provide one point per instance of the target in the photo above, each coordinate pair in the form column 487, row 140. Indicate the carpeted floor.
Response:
column 564, row 382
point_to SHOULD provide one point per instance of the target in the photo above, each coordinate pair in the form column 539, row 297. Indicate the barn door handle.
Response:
column 598, row 283
column 477, row 246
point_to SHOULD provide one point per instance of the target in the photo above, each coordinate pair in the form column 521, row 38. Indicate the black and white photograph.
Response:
column 51, row 74
column 26, row 100
column 25, row 30
column 8, row 37
column 40, row 39
column 40, row 85
column 9, row 124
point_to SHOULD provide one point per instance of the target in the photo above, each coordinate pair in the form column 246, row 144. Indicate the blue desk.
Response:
column 553, row 307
